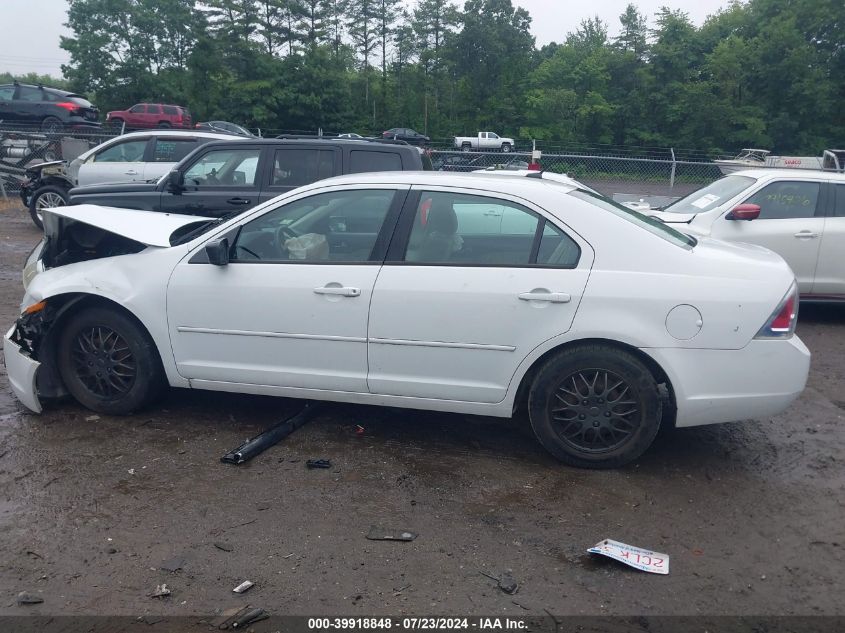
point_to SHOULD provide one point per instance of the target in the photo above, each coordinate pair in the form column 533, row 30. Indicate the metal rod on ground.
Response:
column 672, row 175
column 271, row 436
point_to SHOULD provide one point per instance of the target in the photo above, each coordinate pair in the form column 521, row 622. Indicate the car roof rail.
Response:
column 336, row 137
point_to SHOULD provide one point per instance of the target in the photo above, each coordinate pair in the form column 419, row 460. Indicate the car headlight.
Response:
column 33, row 264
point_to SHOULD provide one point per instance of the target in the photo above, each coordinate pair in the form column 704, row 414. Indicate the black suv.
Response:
column 51, row 109
column 225, row 176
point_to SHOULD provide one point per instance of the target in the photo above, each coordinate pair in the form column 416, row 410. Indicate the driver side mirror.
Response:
column 176, row 180
column 745, row 211
column 218, row 252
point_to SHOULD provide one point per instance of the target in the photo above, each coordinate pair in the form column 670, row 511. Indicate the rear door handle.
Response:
column 131, row 172
column 238, row 200
column 807, row 235
column 343, row 291
column 551, row 297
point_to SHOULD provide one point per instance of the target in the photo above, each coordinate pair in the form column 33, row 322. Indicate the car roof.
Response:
column 374, row 145
column 773, row 172
column 488, row 181
column 50, row 88
column 177, row 133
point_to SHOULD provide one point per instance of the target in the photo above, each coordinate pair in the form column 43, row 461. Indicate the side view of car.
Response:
column 151, row 115
column 235, row 175
column 133, row 157
column 798, row 214
column 51, row 109
column 406, row 134
column 373, row 288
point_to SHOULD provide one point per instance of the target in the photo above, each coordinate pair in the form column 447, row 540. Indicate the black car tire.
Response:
column 595, row 406
column 465, row 147
column 51, row 125
column 46, row 197
column 163, row 124
column 108, row 362
column 116, row 123
column 506, row 148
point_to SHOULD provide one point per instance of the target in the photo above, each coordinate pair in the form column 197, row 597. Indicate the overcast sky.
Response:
column 30, row 29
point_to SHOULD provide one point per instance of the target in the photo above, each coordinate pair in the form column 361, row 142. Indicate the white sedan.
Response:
column 472, row 293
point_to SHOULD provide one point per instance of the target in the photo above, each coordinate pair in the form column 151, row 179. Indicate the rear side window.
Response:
column 172, row 150
column 154, row 109
column 28, row 93
column 362, row 161
column 6, row 93
column 170, row 110
column 296, row 167
column 786, row 199
column 126, row 152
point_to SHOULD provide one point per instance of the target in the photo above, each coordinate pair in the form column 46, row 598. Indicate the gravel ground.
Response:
column 93, row 509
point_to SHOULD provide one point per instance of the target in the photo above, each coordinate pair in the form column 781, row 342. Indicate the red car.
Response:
column 148, row 115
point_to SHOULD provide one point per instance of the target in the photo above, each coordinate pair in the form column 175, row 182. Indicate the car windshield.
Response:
column 711, row 196
column 651, row 225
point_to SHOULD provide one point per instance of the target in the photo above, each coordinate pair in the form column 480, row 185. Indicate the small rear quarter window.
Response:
column 364, row 161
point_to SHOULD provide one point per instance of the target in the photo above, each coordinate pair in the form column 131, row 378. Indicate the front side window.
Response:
column 467, row 230
column 128, row 152
column 137, row 109
column 224, row 168
column 839, row 208
column 297, row 167
column 7, row 93
column 786, row 199
column 339, row 226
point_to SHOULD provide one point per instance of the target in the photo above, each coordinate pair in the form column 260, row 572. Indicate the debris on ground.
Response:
column 131, row 471
column 223, row 546
column 173, row 564
column 382, row 534
column 161, row 591
column 245, row 586
column 505, row 581
column 271, row 436
column 636, row 557
column 249, row 617
column 318, row 463
column 359, row 430
column 92, row 418
column 24, row 597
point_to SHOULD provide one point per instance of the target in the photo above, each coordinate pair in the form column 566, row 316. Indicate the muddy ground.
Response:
column 92, row 509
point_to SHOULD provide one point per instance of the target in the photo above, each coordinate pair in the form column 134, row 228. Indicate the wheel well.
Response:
column 65, row 306
column 667, row 392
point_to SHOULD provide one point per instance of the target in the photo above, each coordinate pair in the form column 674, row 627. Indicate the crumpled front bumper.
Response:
column 22, row 371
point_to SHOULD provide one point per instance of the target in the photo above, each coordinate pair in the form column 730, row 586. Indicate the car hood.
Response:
column 672, row 218
column 147, row 227
column 115, row 187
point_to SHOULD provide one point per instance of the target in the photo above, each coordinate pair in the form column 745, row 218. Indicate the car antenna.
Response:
column 534, row 174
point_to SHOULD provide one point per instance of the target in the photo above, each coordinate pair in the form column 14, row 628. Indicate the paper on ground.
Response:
column 642, row 559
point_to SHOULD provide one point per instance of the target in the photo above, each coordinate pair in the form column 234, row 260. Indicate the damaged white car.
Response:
column 470, row 293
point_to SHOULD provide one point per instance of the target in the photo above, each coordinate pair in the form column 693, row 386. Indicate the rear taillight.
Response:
column 67, row 105
column 783, row 320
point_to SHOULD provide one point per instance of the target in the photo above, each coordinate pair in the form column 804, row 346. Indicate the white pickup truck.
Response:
column 484, row 140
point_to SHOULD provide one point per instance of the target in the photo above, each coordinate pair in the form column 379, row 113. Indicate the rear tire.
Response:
column 595, row 406
column 46, row 197
column 163, row 125
column 465, row 147
column 51, row 125
column 506, row 148
column 108, row 362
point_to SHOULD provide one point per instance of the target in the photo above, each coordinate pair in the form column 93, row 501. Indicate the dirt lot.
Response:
column 93, row 508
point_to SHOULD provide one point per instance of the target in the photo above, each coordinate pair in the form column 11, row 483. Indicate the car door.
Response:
column 7, row 109
column 136, row 116
column 291, row 307
column 791, row 224
column 830, row 271
column 29, row 105
column 218, row 181
column 464, row 296
column 292, row 167
column 120, row 161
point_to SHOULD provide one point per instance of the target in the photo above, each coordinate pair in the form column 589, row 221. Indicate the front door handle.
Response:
column 806, row 235
column 551, row 297
column 238, row 201
column 131, row 172
column 343, row 291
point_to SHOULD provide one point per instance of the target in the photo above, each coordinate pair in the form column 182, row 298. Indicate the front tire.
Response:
column 108, row 362
column 595, row 406
column 506, row 148
column 46, row 197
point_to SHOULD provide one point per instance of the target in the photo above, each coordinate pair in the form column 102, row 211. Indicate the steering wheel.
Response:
column 283, row 233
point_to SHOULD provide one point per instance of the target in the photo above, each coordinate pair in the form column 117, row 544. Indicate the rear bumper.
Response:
column 22, row 371
column 758, row 381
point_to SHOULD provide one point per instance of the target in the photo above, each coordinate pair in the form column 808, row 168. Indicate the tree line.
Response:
column 761, row 73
